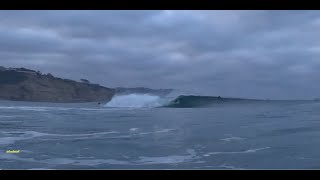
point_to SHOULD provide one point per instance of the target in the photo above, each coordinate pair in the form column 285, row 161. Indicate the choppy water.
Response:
column 250, row 135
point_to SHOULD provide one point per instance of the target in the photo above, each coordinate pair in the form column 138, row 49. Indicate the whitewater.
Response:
column 145, row 131
column 137, row 101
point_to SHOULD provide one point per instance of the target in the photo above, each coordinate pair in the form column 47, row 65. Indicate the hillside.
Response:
column 27, row 85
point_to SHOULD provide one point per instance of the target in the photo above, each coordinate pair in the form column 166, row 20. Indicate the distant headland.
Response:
column 21, row 84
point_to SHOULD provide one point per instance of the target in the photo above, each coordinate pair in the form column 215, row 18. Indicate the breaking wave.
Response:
column 136, row 101
column 182, row 101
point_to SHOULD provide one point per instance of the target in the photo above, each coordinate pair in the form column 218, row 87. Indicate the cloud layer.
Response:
column 254, row 54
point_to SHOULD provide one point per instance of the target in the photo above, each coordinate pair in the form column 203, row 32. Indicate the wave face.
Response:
column 136, row 101
column 192, row 101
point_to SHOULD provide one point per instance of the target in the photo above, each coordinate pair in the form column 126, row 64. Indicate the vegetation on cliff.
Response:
column 22, row 84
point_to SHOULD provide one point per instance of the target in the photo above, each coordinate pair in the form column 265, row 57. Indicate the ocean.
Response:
column 224, row 135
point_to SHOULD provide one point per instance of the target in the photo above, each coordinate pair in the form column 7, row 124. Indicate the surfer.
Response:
column 219, row 97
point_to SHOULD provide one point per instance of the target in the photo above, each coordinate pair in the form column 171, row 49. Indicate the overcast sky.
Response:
column 254, row 54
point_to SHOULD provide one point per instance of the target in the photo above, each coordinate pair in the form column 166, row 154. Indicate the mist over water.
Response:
column 136, row 101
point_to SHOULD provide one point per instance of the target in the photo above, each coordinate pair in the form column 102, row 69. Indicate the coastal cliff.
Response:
column 20, row 84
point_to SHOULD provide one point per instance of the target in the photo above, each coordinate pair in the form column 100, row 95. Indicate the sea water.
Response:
column 247, row 135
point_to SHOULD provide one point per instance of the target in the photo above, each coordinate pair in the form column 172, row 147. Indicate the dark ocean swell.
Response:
column 192, row 101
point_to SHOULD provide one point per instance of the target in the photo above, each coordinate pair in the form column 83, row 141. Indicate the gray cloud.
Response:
column 254, row 54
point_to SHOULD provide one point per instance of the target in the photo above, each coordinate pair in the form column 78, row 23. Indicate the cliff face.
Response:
column 32, row 86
